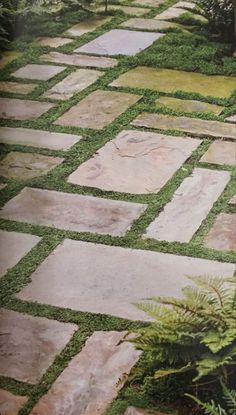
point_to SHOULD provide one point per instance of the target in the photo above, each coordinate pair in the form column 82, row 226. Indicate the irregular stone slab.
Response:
column 194, row 126
column 30, row 344
column 131, row 11
column 150, row 3
column 120, row 42
column 148, row 24
column 72, row 212
column 110, row 279
column 16, row 88
column 53, row 42
column 10, row 404
column 221, row 152
column 135, row 162
column 170, row 81
column 80, row 60
column 188, row 105
column 98, row 109
column 93, row 378
column 171, row 13
column 8, row 57
column 233, row 200
column 38, row 72
column 222, row 235
column 87, row 25
column 38, row 138
column 17, row 109
column 131, row 410
column 75, row 82
column 24, row 166
column 14, row 246
column 190, row 205
column 232, row 118
column 185, row 5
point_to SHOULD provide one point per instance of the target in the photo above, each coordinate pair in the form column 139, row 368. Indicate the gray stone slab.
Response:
column 190, row 205
column 149, row 3
column 148, row 24
column 14, row 246
column 53, row 42
column 131, row 11
column 98, row 109
column 80, row 60
column 10, row 404
column 72, row 212
column 29, row 345
column 232, row 118
column 188, row 105
column 220, row 152
column 38, row 138
column 111, row 280
column 38, row 72
column 185, row 5
column 87, row 25
column 120, row 42
column 171, row 13
column 17, row 88
column 17, row 109
column 222, row 235
column 92, row 379
column 135, row 162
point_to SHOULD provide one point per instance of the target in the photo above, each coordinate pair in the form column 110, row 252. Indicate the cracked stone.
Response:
column 38, row 72
column 222, row 235
column 220, row 152
column 87, row 25
column 10, row 404
column 17, row 88
column 148, row 24
column 53, row 42
column 17, row 109
column 188, row 105
column 80, row 60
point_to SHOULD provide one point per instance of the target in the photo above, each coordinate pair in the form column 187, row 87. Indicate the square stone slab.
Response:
column 171, row 81
column 98, row 109
column 29, row 345
column 131, row 11
column 232, row 118
column 222, row 235
column 14, row 246
column 53, row 42
column 17, row 88
column 111, row 280
column 10, row 404
column 75, row 82
column 25, row 166
column 80, row 60
column 72, row 212
column 87, row 26
column 8, row 57
column 17, row 109
column 188, row 105
column 38, row 138
column 220, row 152
column 148, row 24
column 135, row 162
column 120, row 42
column 38, row 72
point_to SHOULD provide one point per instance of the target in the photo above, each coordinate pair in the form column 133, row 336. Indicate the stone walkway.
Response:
column 107, row 200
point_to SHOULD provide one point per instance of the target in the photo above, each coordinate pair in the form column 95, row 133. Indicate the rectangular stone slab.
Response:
column 220, row 152
column 17, row 109
column 38, row 72
column 53, row 42
column 17, row 88
column 98, row 109
column 72, row 212
column 171, row 13
column 222, row 235
column 135, row 162
column 80, row 60
column 110, row 279
column 150, row 3
column 170, row 81
column 188, row 105
column 10, row 404
column 87, row 25
column 148, row 24
column 131, row 11
column 190, row 205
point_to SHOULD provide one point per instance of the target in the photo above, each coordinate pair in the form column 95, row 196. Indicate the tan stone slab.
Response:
column 194, row 126
column 171, row 13
column 87, row 25
column 92, row 379
column 171, row 81
column 10, row 404
column 38, row 138
column 111, row 280
column 232, row 118
column 221, row 152
column 131, row 11
column 148, row 24
column 149, row 3
column 8, row 57
column 135, row 162
column 190, row 205
column 80, row 60
column 53, row 42
column 98, row 109
column 233, row 200
column 37, row 72
column 222, row 235
column 75, row 82
column 72, row 212
column 188, row 105
column 17, row 88
column 185, row 5
column 17, row 109
column 14, row 246
column 29, row 345
column 25, row 166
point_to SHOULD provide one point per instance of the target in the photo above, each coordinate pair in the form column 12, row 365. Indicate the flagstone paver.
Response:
column 185, row 5
column 98, row 109
column 171, row 13
column 113, row 281
column 190, row 205
column 135, row 162
column 233, row 200
column 17, row 109
column 53, row 42
column 8, row 57
column 131, row 410
column 14, row 246
column 151, row 3
column 188, row 105
column 38, row 72
column 93, row 378
column 10, row 404
column 222, row 235
column 220, row 152
column 80, row 60
column 30, row 344
column 17, row 88
column 148, row 24
column 87, row 26
column 232, row 118
column 131, row 11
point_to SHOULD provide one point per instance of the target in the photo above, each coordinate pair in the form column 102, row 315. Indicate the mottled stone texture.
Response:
column 80, row 60
column 17, row 109
column 87, row 25
column 10, row 404
column 147, row 24
column 17, row 88
column 222, row 235
column 221, row 152
column 53, row 42
column 131, row 410
column 188, row 105
column 38, row 72
column 171, row 13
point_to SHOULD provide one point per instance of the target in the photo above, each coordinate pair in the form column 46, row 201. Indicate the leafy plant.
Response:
column 213, row 408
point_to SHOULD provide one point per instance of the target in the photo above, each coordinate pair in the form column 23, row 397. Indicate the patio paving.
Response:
column 38, row 72
column 16, row 109
column 80, row 60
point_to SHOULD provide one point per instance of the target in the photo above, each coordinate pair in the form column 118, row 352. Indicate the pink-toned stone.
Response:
column 10, row 404
column 38, row 72
column 233, row 200
column 53, row 42
column 17, row 109
column 220, row 152
column 131, row 410
column 222, row 235
column 87, row 25
column 93, row 378
column 17, row 88
column 80, row 60
column 28, row 345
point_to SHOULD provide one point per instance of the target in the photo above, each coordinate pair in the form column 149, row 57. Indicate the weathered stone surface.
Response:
column 109, row 279
column 148, row 24
column 185, row 5
column 190, row 205
column 24, row 166
column 222, row 235
column 131, row 11
column 170, row 81
column 232, row 118
column 150, row 3
column 53, row 42
column 188, row 105
column 93, row 378
column 194, row 126
column 171, row 13
column 38, row 72
column 17, row 109
column 16, row 88
column 221, row 152
column 233, row 200
column 120, row 42
column 80, row 60
column 72, row 212
column 28, row 345
column 73, row 83
column 8, row 57
column 135, row 162
column 38, row 138
column 14, row 246
column 10, row 404
column 87, row 25
column 98, row 109
column 131, row 410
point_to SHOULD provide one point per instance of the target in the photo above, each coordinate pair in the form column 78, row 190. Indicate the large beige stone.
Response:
column 131, row 11
column 17, row 88
column 135, row 162
column 190, row 205
column 10, row 404
column 188, row 105
column 53, row 42
column 17, row 109
column 38, row 72
column 29, row 345
column 220, row 152
column 222, row 235
column 72, row 211
column 148, row 24
column 80, row 60
column 87, row 25
column 92, row 379
column 8, row 57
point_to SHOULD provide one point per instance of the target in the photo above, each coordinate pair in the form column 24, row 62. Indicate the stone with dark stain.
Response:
column 16, row 87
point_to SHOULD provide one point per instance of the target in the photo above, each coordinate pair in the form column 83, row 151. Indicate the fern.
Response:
column 214, row 408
